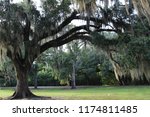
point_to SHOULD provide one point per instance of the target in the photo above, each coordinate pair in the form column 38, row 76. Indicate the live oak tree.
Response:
column 26, row 32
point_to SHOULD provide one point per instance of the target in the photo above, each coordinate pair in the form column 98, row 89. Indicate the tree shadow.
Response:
column 29, row 98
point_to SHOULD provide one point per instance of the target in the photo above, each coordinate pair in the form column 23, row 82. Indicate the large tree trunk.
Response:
column 22, row 89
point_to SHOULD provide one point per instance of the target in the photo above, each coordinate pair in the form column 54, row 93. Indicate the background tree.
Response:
column 74, row 51
column 129, row 55
column 59, row 64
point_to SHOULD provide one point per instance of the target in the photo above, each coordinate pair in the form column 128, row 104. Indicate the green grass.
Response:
column 91, row 93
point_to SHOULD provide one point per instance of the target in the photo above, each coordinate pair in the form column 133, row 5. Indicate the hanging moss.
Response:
column 133, row 60
column 3, row 54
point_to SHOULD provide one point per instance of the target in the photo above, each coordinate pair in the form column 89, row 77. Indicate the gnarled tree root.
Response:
column 27, row 96
column 22, row 95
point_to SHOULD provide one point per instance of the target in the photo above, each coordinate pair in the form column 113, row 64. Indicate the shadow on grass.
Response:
column 32, row 98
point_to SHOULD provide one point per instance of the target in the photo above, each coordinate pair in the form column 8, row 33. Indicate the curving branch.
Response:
column 65, row 39
column 108, row 30
column 69, row 35
column 73, row 16
column 73, row 30
column 61, row 26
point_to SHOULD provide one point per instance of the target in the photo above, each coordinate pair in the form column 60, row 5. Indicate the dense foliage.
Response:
column 54, row 67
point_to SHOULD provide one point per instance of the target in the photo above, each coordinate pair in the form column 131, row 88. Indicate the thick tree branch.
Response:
column 61, row 26
column 72, row 17
column 69, row 35
column 69, row 39
column 99, row 21
column 108, row 30
column 97, row 24
column 73, row 30
column 60, row 41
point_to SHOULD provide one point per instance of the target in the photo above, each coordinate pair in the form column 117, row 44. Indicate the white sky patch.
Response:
column 36, row 2
column 78, row 22
column 16, row 1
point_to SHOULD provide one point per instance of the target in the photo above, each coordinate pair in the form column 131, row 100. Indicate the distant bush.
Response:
column 43, row 79
column 7, row 82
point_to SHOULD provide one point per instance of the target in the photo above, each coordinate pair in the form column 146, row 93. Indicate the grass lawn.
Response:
column 90, row 93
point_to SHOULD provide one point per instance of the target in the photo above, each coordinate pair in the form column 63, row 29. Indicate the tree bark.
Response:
column 73, row 80
column 22, row 89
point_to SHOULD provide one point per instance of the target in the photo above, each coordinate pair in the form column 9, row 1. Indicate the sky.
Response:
column 37, row 2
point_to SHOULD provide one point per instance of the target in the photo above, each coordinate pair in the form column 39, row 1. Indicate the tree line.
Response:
column 77, row 63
